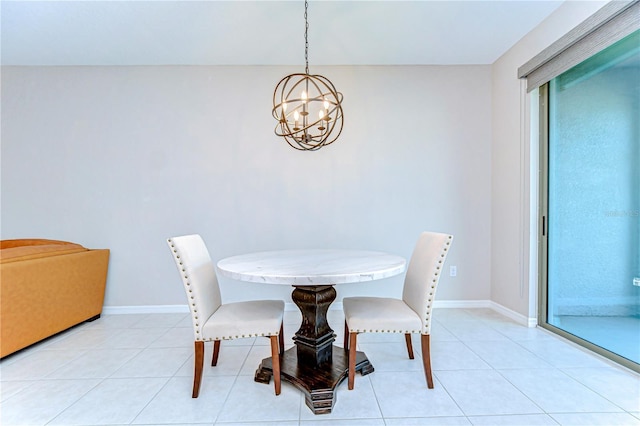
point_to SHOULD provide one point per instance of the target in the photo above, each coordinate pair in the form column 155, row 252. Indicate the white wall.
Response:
column 123, row 158
column 513, row 286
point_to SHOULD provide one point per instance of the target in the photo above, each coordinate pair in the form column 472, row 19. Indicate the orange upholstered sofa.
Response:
column 47, row 286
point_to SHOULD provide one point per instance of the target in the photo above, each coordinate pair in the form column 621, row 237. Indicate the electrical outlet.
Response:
column 453, row 271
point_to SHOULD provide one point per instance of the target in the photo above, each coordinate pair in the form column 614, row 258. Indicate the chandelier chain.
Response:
column 306, row 40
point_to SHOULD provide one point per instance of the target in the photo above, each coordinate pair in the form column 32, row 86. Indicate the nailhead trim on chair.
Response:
column 188, row 284
column 434, row 282
column 212, row 339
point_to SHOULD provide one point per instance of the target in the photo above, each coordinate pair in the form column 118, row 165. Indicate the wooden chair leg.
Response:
column 407, row 338
column 198, row 364
column 216, row 352
column 426, row 359
column 346, row 335
column 275, row 362
column 281, row 338
column 352, row 359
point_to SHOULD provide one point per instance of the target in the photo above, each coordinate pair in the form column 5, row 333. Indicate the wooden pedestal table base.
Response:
column 314, row 365
column 318, row 384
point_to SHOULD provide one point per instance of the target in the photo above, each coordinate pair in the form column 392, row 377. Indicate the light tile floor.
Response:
column 137, row 369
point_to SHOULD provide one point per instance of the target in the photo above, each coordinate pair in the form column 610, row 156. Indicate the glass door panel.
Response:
column 593, row 199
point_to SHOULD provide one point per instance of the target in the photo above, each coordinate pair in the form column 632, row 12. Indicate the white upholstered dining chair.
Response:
column 411, row 314
column 214, row 321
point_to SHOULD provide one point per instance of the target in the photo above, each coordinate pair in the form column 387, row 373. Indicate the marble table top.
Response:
column 311, row 267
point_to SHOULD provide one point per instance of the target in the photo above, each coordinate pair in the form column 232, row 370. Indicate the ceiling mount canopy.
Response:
column 308, row 107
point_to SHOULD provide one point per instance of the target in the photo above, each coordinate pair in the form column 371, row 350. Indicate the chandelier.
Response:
column 308, row 107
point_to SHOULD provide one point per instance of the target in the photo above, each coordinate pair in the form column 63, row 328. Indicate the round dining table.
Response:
column 314, row 365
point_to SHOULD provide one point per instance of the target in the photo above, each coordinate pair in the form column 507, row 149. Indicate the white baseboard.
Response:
column 461, row 304
column 337, row 306
column 146, row 309
column 471, row 304
column 519, row 318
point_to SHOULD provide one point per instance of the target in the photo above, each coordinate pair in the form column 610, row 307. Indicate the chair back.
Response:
column 198, row 275
column 423, row 274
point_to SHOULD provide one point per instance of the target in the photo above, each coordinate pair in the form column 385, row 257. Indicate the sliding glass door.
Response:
column 591, row 202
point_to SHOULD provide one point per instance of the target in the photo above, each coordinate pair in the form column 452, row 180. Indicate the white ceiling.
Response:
column 264, row 32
